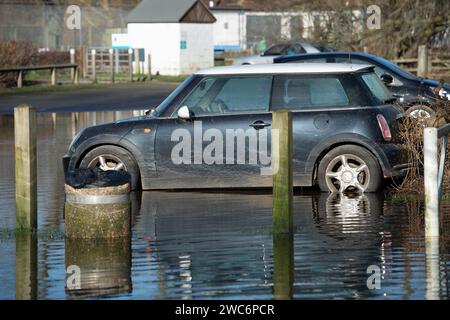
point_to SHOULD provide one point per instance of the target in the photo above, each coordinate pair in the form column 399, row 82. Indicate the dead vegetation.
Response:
column 411, row 134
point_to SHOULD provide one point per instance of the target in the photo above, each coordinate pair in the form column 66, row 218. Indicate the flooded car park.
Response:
column 216, row 244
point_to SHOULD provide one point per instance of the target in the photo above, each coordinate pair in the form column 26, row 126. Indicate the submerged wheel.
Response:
column 113, row 158
column 349, row 168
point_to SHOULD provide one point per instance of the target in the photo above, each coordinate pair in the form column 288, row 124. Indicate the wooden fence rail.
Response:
column 22, row 70
column 427, row 63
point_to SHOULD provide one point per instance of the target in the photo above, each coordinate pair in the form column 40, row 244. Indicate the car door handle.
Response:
column 259, row 124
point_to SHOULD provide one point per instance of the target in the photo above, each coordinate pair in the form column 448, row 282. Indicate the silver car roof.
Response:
column 286, row 68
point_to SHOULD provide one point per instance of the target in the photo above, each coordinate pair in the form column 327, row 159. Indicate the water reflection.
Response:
column 26, row 266
column 432, row 268
column 204, row 245
column 105, row 266
column 283, row 266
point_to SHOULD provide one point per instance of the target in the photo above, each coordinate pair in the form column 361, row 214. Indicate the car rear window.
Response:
column 309, row 92
column 377, row 87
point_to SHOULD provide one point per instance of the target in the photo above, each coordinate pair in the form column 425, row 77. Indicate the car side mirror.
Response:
column 387, row 79
column 184, row 113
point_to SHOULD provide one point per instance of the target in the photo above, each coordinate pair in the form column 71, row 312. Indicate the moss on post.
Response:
column 87, row 219
column 282, row 171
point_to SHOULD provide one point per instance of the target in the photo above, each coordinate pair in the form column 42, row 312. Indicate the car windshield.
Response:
column 163, row 105
column 377, row 87
column 275, row 50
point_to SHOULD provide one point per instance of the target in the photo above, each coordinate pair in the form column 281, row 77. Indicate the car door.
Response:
column 219, row 146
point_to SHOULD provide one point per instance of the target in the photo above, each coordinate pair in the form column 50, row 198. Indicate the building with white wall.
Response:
column 177, row 33
column 237, row 28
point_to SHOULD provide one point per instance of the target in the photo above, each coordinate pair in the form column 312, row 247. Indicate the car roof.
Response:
column 332, row 53
column 286, row 68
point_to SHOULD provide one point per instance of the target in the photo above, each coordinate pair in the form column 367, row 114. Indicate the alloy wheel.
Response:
column 107, row 163
column 347, row 172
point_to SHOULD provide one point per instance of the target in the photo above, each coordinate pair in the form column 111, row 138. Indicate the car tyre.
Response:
column 113, row 158
column 420, row 112
column 349, row 168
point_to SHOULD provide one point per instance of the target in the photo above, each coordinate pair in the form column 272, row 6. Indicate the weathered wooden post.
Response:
column 20, row 79
column 72, row 61
column 76, row 78
column 149, row 65
column 136, row 62
column 282, row 171
column 26, row 168
column 53, row 76
column 130, row 64
column 283, row 247
column 431, row 181
column 26, row 266
column 422, row 61
column 94, row 67
column 111, row 62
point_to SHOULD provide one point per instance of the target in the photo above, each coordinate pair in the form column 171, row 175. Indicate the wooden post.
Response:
column 84, row 60
column 26, row 168
column 53, row 76
column 72, row 61
column 20, row 80
column 111, row 62
column 431, row 181
column 130, row 64
column 283, row 266
column 136, row 62
column 149, row 65
column 76, row 79
column 282, row 171
column 422, row 61
column 94, row 67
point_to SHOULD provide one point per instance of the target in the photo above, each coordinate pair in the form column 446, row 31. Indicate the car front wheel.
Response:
column 113, row 158
column 349, row 168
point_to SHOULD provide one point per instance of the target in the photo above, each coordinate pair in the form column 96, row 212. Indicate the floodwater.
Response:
column 217, row 245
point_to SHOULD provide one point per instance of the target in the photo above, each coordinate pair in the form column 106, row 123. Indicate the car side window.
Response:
column 225, row 95
column 308, row 92
column 312, row 60
column 295, row 49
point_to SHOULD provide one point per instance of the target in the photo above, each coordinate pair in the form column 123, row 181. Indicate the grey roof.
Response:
column 157, row 11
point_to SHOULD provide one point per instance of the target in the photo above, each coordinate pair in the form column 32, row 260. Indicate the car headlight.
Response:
column 443, row 93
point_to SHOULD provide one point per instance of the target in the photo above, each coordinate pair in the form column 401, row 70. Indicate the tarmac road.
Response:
column 109, row 98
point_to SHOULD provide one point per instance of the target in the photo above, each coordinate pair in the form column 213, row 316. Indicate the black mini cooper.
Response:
column 214, row 131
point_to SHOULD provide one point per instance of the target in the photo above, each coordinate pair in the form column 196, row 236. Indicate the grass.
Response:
column 170, row 78
column 42, row 88
column 40, row 82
